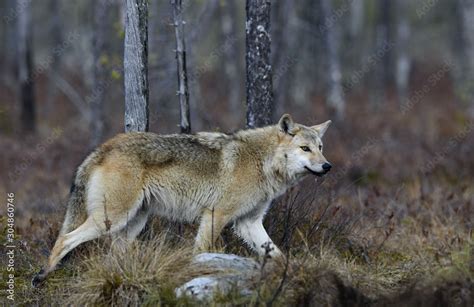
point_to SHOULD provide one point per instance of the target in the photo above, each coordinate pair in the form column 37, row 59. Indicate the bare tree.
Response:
column 465, row 43
column 135, row 66
column 97, row 101
column 383, row 37
column 10, row 51
column 327, row 30
column 356, row 18
column 386, row 34
column 259, row 69
column 56, row 33
column 183, row 92
column 356, row 36
column 403, row 60
column 25, row 66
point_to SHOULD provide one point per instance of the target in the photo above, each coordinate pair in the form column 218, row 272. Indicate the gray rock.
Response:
column 232, row 272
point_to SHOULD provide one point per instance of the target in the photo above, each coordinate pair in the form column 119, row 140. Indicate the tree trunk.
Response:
column 10, row 50
column 25, row 66
column 135, row 66
column 356, row 36
column 403, row 61
column 183, row 92
column 466, row 44
column 382, row 72
column 335, row 96
column 56, row 33
column 385, row 26
column 97, row 101
column 259, row 69
column 356, row 18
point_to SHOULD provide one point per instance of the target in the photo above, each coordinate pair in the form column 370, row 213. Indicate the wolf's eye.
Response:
column 305, row 148
column 320, row 147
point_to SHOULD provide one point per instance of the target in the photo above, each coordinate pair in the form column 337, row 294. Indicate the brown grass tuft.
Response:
column 144, row 272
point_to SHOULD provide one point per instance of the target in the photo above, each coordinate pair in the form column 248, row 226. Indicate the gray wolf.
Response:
column 216, row 178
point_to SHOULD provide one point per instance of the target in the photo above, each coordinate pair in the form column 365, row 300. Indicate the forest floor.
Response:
column 390, row 225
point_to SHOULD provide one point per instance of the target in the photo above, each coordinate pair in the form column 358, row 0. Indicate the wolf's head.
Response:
column 301, row 149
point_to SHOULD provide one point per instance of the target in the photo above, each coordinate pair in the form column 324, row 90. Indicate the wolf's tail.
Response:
column 76, row 212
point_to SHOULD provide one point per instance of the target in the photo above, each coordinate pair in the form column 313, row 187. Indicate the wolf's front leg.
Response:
column 255, row 235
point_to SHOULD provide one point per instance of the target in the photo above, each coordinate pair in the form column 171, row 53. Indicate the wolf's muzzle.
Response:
column 319, row 174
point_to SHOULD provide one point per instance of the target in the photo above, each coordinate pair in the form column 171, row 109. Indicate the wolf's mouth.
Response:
column 319, row 174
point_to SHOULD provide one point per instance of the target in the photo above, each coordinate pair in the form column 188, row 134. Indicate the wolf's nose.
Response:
column 327, row 167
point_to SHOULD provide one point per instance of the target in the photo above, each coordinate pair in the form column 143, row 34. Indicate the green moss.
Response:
column 165, row 296
column 391, row 257
column 461, row 265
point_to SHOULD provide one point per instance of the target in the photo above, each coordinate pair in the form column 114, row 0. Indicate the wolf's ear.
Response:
column 321, row 128
column 286, row 124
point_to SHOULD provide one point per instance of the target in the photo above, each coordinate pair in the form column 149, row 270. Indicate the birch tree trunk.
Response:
column 183, row 92
column 403, row 60
column 259, row 69
column 25, row 66
column 97, row 101
column 356, row 36
column 356, row 18
column 335, row 96
column 135, row 66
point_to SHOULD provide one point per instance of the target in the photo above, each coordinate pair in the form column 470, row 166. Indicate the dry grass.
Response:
column 146, row 272
column 392, row 224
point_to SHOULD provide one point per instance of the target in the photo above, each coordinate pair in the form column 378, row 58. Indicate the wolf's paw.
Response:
column 271, row 251
column 38, row 279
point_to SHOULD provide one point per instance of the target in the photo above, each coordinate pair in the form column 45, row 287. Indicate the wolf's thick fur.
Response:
column 212, row 177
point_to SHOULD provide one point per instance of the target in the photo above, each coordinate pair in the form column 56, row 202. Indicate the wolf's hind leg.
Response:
column 212, row 223
column 133, row 227
column 64, row 244
column 97, row 224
